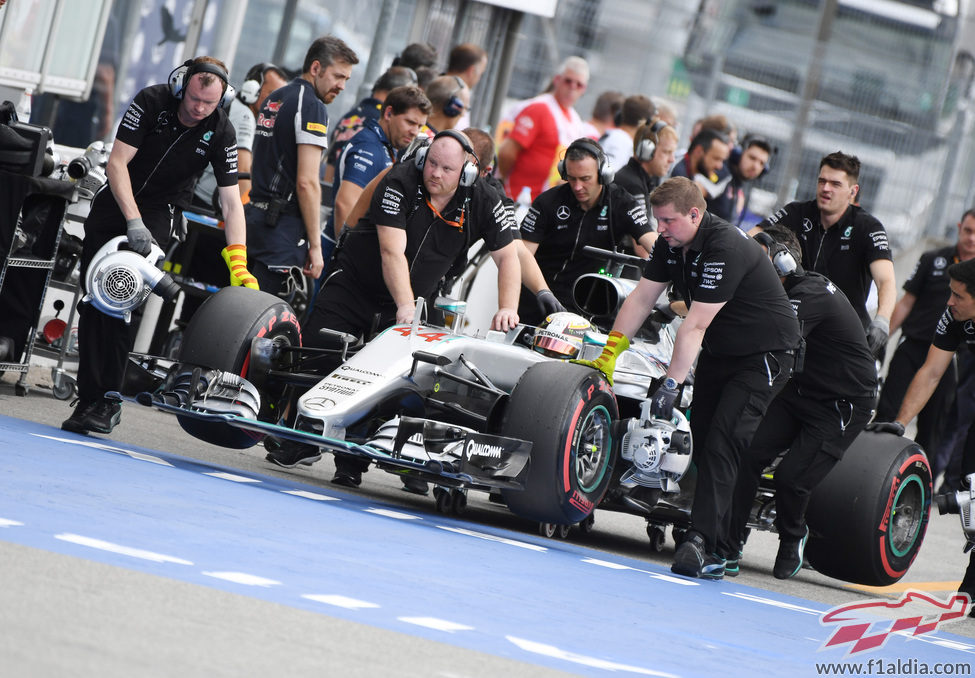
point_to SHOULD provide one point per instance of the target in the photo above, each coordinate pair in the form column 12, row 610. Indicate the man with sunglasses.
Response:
column 542, row 131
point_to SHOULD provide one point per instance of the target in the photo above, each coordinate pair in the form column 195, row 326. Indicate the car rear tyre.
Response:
column 567, row 411
column 219, row 336
column 868, row 517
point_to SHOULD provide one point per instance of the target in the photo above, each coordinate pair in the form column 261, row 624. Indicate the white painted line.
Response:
column 140, row 456
column 398, row 515
column 491, row 537
column 594, row 662
column 122, row 550
column 775, row 603
column 339, row 601
column 6, row 522
column 231, row 477
column 436, row 624
column 656, row 575
column 243, row 578
column 310, row 495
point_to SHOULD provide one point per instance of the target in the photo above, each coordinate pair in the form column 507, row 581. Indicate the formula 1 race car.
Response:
column 506, row 413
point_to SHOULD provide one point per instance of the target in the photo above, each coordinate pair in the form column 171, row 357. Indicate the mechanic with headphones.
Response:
column 816, row 416
column 741, row 330
column 284, row 214
column 748, row 162
column 166, row 138
column 845, row 243
column 418, row 223
column 589, row 209
column 654, row 146
column 260, row 80
column 450, row 96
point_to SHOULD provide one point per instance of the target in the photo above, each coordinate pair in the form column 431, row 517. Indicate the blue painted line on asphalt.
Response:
column 541, row 601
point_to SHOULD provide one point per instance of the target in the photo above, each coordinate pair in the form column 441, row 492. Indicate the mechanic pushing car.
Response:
column 955, row 329
column 816, row 416
column 589, row 209
column 168, row 135
column 741, row 322
column 418, row 223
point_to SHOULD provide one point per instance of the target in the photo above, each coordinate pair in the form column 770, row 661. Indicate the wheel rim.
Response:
column 593, row 448
column 906, row 516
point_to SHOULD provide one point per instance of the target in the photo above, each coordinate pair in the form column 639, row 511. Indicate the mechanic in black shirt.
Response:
column 167, row 137
column 845, row 243
column 654, row 145
column 419, row 222
column 955, row 331
column 816, row 416
column 741, row 322
column 586, row 210
column 916, row 314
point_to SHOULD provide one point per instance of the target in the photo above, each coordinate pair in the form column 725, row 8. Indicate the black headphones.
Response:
column 469, row 172
column 647, row 147
column 253, row 81
column 782, row 260
column 180, row 76
column 605, row 171
column 454, row 106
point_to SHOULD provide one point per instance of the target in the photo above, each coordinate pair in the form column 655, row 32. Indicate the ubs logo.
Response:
column 562, row 212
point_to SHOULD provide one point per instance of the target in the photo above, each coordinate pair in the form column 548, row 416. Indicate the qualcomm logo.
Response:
column 483, row 450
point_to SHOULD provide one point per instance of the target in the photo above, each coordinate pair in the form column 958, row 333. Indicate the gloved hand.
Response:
column 894, row 427
column 662, row 402
column 140, row 239
column 606, row 362
column 236, row 258
column 877, row 334
column 548, row 303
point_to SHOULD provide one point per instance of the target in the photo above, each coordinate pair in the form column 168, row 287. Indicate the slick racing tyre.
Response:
column 868, row 517
column 567, row 411
column 219, row 337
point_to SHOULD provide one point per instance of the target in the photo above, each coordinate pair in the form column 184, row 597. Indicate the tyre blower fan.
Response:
column 119, row 281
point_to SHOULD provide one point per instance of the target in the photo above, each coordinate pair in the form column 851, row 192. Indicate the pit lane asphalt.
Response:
column 594, row 606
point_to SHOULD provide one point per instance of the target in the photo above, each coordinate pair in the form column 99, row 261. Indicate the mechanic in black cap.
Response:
column 955, row 331
column 845, row 243
column 816, row 416
column 589, row 209
column 168, row 135
column 419, row 222
column 742, row 324
column 916, row 314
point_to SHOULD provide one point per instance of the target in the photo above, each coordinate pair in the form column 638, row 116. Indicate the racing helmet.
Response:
column 560, row 336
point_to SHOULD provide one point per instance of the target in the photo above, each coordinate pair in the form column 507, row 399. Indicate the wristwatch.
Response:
column 670, row 383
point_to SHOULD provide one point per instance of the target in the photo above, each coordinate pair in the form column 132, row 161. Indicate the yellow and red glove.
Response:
column 616, row 343
column 236, row 258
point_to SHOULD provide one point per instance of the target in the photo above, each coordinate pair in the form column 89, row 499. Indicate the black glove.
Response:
column 662, row 402
column 894, row 427
column 548, row 303
column 140, row 239
column 877, row 334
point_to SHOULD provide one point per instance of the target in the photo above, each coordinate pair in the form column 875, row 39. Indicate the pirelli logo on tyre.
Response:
column 392, row 201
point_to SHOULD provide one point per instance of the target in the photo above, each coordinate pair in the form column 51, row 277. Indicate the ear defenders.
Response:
column 604, row 170
column 468, row 173
column 782, row 260
column 648, row 146
column 250, row 90
column 181, row 75
column 454, row 106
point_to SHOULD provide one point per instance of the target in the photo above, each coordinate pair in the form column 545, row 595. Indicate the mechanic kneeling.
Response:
column 816, row 416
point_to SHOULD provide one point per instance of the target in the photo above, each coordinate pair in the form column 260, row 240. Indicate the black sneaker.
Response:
column 732, row 566
column 288, row 453
column 104, row 416
column 348, row 471
column 415, row 485
column 692, row 560
column 76, row 423
column 788, row 561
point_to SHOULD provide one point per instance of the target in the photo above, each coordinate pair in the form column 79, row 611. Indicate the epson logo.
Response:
column 483, row 450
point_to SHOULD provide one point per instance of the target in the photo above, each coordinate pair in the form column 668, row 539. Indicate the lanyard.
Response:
column 456, row 224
